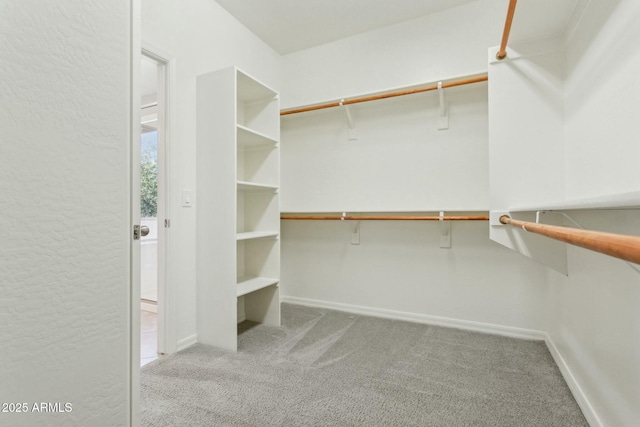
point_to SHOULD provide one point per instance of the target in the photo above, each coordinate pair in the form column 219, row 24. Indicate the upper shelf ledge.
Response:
column 386, row 212
column 629, row 200
column 255, row 186
column 248, row 235
column 251, row 89
column 249, row 138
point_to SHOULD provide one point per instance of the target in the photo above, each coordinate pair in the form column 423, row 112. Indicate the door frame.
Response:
column 168, row 338
column 134, row 213
column 167, row 341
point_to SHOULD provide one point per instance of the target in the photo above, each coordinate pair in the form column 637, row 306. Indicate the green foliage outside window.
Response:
column 149, row 188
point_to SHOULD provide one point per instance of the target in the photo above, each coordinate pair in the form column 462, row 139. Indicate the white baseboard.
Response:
column 187, row 342
column 488, row 328
column 578, row 394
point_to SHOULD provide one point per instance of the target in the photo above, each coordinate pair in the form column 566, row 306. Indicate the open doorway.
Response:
column 152, row 208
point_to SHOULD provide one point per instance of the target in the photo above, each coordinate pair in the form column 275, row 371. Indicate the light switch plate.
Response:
column 187, row 198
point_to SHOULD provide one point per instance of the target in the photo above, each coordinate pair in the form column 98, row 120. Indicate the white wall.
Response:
column 64, row 185
column 202, row 37
column 596, row 324
column 440, row 46
column 593, row 321
column 400, row 267
column 400, row 162
column 602, row 87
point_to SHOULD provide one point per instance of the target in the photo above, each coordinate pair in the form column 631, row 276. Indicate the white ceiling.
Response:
column 540, row 19
column 291, row 25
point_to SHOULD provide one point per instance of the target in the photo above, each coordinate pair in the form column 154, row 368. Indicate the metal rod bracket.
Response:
column 445, row 232
column 355, row 229
column 443, row 111
column 353, row 135
column 355, row 232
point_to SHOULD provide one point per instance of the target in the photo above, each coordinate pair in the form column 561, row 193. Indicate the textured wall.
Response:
column 64, row 242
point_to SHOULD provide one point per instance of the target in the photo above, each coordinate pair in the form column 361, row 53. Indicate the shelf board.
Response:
column 250, row 139
column 251, row 90
column 457, row 211
column 629, row 200
column 254, row 186
column 248, row 284
column 256, row 235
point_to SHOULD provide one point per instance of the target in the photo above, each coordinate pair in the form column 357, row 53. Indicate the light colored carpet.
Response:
column 328, row 368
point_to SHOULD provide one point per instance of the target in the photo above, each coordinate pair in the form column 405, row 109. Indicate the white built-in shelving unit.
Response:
column 237, row 204
column 628, row 200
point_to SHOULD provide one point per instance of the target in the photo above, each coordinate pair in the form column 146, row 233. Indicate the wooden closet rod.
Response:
column 616, row 245
column 382, row 218
column 466, row 81
column 502, row 53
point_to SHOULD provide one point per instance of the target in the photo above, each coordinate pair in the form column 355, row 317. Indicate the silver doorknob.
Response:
column 144, row 230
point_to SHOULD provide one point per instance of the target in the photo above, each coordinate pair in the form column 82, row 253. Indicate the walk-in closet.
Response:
column 373, row 213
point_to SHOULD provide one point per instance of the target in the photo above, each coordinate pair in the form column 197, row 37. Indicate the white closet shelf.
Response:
column 256, row 235
column 453, row 211
column 240, row 115
column 250, row 139
column 248, row 284
column 630, row 200
column 251, row 90
column 254, row 186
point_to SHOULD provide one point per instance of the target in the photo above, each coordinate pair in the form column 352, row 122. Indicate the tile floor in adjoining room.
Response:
column 148, row 337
